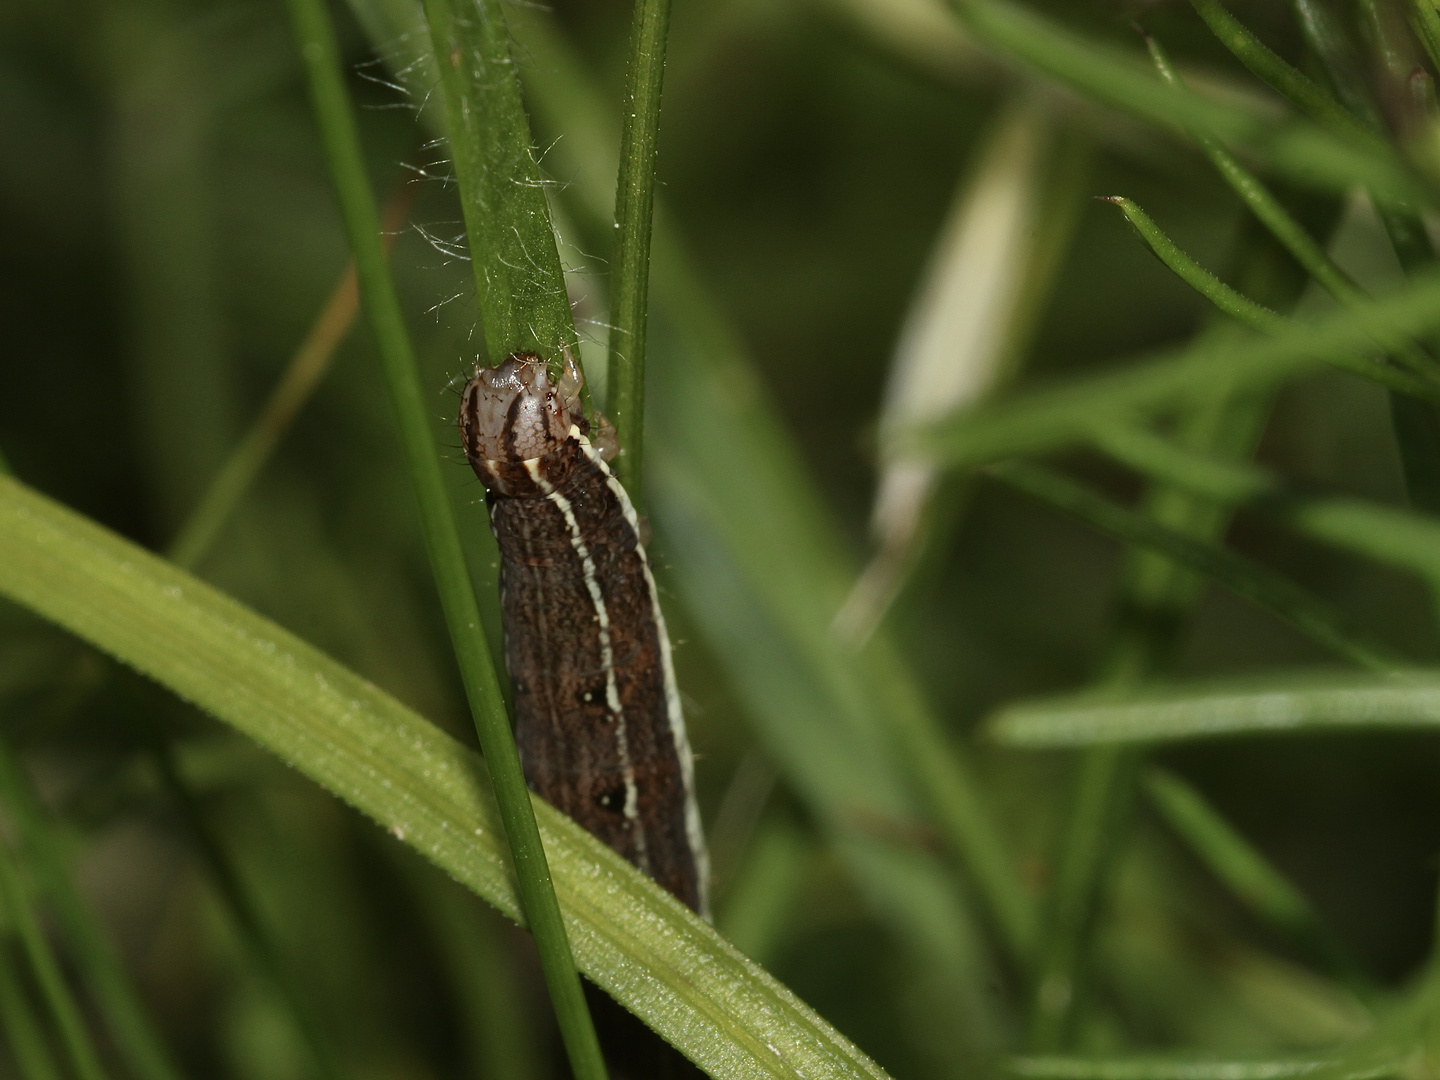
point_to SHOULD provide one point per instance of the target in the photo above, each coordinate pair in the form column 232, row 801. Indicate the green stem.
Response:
column 1299, row 88
column 447, row 559
column 63, row 1008
column 21, row 1026
column 520, row 285
column 132, row 1028
column 1245, row 310
column 634, row 213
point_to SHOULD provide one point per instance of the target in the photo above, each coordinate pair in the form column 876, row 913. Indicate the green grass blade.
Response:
column 1300, row 608
column 1299, row 88
column 1246, row 872
column 1245, row 310
column 1263, row 203
column 1046, row 419
column 634, row 212
column 1307, row 153
column 633, row 939
column 1275, row 703
column 521, row 288
column 447, row 558
column 239, row 905
column 1192, row 273
column 130, row 1025
column 26, row 1037
column 75, row 1037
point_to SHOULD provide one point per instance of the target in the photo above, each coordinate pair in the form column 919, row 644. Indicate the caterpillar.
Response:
column 598, row 719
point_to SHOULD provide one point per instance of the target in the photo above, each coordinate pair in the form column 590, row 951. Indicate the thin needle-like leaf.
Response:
column 1250, row 313
column 20, row 1024
column 447, row 558
column 1246, row 872
column 1337, row 157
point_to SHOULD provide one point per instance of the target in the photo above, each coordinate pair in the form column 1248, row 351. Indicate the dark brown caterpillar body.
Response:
column 597, row 714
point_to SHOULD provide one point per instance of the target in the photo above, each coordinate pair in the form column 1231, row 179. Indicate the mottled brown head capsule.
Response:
column 512, row 414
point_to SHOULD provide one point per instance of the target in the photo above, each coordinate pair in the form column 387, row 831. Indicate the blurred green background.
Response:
column 168, row 237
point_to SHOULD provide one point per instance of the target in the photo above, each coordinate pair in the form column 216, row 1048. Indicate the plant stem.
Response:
column 1299, row 88
column 520, row 285
column 634, row 213
column 73, row 1034
column 447, row 559
column 1245, row 310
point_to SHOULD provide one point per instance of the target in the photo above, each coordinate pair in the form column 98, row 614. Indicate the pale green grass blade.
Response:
column 1275, row 703
column 1047, row 419
column 634, row 213
column 130, row 1025
column 633, row 939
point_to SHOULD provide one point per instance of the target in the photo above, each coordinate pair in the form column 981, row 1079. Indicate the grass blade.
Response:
column 447, row 558
column 633, row 939
column 1275, row 703
column 1246, row 310
column 302, row 375
column 1262, row 61
column 634, row 211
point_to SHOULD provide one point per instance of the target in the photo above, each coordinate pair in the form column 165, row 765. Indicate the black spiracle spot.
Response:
column 612, row 799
